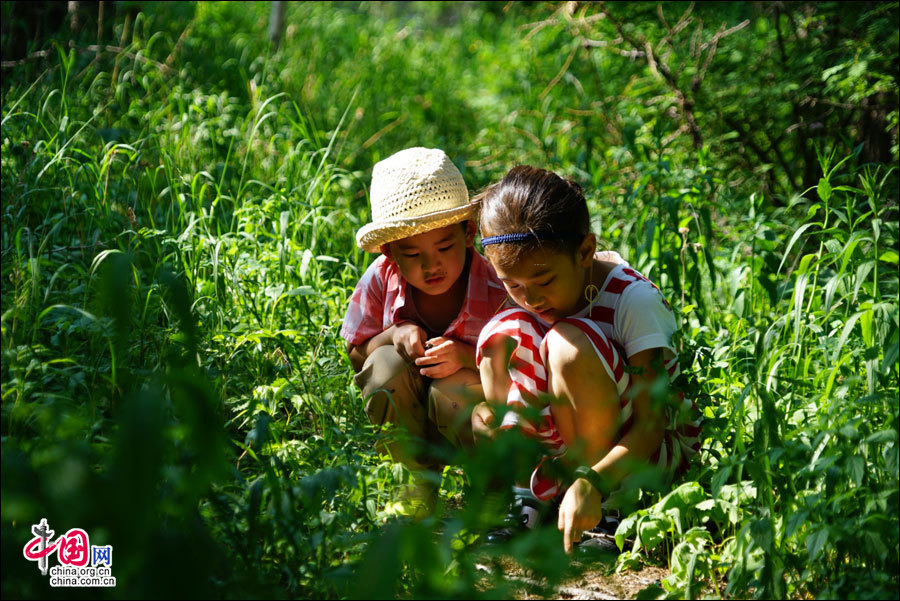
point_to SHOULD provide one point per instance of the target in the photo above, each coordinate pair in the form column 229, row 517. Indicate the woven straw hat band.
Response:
column 414, row 191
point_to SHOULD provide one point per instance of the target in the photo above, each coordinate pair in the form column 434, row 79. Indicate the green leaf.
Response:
column 706, row 505
column 794, row 521
column 654, row 591
column 685, row 496
column 652, row 530
column 719, row 479
column 882, row 436
column 805, row 262
column 889, row 256
column 849, row 431
column 890, row 358
column 845, row 333
column 824, row 190
column 891, row 458
column 787, row 250
column 301, row 291
column 856, row 469
column 274, row 291
column 815, row 542
column 761, row 532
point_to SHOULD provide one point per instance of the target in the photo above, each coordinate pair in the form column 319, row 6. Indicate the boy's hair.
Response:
column 533, row 201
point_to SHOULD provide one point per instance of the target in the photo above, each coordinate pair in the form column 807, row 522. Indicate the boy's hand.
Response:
column 581, row 509
column 443, row 357
column 409, row 340
column 483, row 420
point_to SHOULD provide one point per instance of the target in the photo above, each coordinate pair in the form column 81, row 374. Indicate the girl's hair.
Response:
column 537, row 202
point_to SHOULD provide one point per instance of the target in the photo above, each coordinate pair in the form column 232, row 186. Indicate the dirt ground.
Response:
column 597, row 579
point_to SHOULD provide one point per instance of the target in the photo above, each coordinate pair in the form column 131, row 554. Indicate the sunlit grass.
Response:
column 178, row 251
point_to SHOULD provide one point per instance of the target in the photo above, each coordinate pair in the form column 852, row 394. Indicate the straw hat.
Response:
column 414, row 191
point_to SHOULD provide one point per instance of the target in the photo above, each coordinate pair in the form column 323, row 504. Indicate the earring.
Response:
column 591, row 292
column 506, row 303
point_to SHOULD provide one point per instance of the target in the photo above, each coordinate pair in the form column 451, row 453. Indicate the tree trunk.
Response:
column 276, row 22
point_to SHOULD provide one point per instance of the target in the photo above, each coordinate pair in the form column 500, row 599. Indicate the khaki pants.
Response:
column 428, row 409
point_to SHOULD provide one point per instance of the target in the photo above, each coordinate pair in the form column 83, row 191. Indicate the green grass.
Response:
column 178, row 250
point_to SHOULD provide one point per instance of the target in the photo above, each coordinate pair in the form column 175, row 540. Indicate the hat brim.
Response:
column 371, row 236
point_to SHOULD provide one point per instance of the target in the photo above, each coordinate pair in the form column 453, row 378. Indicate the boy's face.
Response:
column 434, row 260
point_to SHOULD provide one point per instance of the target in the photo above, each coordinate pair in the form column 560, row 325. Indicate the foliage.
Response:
column 178, row 251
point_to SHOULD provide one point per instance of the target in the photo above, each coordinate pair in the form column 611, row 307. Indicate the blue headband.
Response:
column 527, row 236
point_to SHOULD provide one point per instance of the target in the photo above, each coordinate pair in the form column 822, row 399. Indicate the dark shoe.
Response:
column 602, row 537
column 608, row 525
column 597, row 543
column 524, row 514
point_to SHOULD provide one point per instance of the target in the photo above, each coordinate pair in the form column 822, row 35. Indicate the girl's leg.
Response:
column 587, row 378
column 588, row 383
column 512, row 373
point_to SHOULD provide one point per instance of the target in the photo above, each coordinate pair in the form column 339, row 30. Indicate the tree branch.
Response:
column 97, row 48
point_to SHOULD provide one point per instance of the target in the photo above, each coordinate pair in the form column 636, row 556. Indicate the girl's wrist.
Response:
column 597, row 481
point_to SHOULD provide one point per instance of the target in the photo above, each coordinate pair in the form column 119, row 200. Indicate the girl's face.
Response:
column 550, row 284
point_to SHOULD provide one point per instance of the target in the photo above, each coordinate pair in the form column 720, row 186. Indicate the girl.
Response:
column 581, row 317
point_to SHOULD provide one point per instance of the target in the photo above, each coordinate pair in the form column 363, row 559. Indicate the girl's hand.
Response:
column 483, row 420
column 443, row 357
column 581, row 509
column 409, row 339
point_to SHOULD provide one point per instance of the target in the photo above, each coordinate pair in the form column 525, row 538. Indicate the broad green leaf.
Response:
column 892, row 458
column 652, row 591
column 301, row 291
column 274, row 291
column 865, row 321
column 761, row 532
column 890, row 358
column 719, row 479
column 815, row 542
column 856, row 469
column 685, row 496
column 805, row 262
column 651, row 531
column 794, row 521
column 882, row 436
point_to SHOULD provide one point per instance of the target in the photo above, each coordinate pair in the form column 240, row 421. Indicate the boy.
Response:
column 415, row 315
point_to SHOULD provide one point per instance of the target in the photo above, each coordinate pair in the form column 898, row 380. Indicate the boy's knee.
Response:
column 392, row 388
column 383, row 366
column 450, row 402
column 461, row 389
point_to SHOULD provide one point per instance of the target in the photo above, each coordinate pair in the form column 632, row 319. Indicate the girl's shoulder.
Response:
column 609, row 256
column 626, row 288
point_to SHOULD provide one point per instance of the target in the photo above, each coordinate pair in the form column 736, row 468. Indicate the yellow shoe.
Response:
column 415, row 500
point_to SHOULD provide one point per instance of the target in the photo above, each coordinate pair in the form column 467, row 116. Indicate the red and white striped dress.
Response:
column 628, row 316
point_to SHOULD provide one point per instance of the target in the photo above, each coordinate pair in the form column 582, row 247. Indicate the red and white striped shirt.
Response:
column 381, row 300
column 633, row 314
column 628, row 316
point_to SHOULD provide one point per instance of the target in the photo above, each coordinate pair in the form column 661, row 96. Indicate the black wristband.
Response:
column 595, row 479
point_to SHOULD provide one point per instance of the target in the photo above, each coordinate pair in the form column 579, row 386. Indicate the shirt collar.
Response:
column 479, row 273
